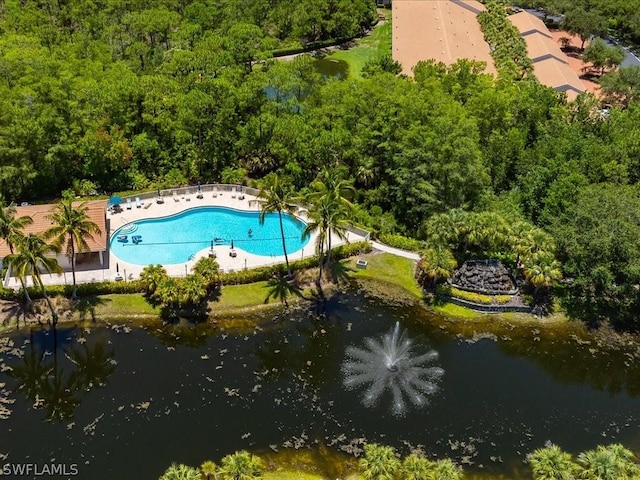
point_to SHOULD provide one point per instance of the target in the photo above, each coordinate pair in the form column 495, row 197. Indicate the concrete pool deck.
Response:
column 116, row 269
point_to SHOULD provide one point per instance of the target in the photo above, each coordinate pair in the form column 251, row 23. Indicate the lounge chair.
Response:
column 215, row 192
column 187, row 196
column 128, row 204
column 138, row 203
column 233, row 192
column 175, row 197
column 147, row 205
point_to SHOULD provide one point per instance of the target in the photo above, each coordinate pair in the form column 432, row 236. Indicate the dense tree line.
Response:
column 595, row 17
column 77, row 110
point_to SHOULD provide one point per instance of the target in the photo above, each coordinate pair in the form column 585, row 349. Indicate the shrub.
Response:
column 400, row 241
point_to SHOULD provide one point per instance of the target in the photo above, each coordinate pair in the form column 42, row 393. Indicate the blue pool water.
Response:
column 174, row 239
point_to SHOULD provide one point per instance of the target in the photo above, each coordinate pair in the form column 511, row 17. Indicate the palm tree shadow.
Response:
column 86, row 307
column 280, row 288
column 13, row 312
column 341, row 272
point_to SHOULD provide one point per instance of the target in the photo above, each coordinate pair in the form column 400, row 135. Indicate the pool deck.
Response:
column 116, row 269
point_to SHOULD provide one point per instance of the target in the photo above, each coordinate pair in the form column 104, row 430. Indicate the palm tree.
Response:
column 152, row 277
column 10, row 225
column 331, row 182
column 436, row 263
column 277, row 197
column 193, row 289
column 551, row 463
column 208, row 269
column 613, row 462
column 209, row 470
column 168, row 292
column 241, row 466
column 417, row 467
column 71, row 225
column 319, row 219
column 379, row 463
column 33, row 256
column 280, row 288
column 445, row 469
column 11, row 230
column 180, row 472
column 544, row 273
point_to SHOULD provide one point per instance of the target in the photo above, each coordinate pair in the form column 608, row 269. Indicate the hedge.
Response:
column 235, row 278
column 473, row 297
column 400, row 241
column 281, row 52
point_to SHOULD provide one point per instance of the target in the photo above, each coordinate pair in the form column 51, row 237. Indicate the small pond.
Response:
column 330, row 67
column 125, row 402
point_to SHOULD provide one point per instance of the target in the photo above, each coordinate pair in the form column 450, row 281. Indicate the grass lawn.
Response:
column 453, row 310
column 388, row 268
column 291, row 475
column 239, row 296
column 117, row 305
column 377, row 43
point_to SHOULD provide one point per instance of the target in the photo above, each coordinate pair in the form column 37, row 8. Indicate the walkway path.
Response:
column 395, row 251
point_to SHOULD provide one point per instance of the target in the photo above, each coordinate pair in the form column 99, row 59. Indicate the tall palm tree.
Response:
column 241, row 466
column 277, row 196
column 552, row 463
column 379, row 463
column 10, row 225
column 11, row 229
column 319, row 214
column 73, row 225
column 33, row 256
column 331, row 182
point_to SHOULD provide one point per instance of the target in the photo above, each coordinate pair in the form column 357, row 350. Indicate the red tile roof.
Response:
column 443, row 30
column 96, row 210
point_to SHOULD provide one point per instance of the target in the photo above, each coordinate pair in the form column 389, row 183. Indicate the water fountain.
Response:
column 389, row 363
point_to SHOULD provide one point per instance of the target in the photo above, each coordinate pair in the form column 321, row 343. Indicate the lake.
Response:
column 125, row 402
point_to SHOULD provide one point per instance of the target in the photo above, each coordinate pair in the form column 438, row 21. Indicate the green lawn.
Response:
column 377, row 43
column 453, row 310
column 117, row 305
column 388, row 268
column 238, row 296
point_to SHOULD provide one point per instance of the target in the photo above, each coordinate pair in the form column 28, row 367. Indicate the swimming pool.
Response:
column 174, row 239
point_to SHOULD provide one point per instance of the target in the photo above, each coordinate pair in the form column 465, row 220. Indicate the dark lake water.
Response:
column 329, row 67
column 126, row 403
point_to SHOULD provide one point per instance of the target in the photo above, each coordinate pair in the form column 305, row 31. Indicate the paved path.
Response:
column 395, row 251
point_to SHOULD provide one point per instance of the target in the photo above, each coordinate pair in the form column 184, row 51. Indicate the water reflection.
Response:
column 43, row 380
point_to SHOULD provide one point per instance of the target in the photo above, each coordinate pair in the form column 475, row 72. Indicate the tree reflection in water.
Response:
column 53, row 385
